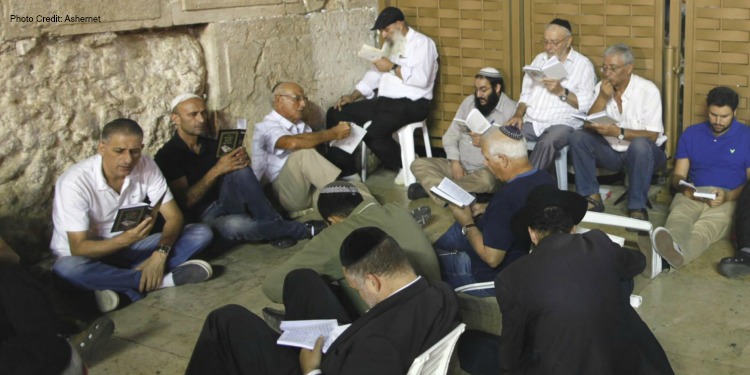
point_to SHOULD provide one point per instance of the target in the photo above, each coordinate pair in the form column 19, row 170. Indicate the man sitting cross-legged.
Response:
column 87, row 198
column 221, row 192
column 407, row 315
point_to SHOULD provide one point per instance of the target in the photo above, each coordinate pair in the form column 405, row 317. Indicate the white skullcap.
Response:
column 490, row 72
column 181, row 98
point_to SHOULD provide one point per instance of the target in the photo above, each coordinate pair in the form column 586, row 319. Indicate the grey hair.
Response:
column 500, row 144
column 620, row 49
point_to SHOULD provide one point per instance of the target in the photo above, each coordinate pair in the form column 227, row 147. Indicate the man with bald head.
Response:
column 284, row 152
column 476, row 248
column 221, row 192
column 545, row 108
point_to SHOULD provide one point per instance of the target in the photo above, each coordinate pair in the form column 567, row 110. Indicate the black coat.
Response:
column 565, row 312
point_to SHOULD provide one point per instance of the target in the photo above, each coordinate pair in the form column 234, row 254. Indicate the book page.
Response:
column 453, row 193
column 304, row 333
column 369, row 53
column 699, row 192
column 534, row 72
column 349, row 144
column 554, row 69
column 477, row 122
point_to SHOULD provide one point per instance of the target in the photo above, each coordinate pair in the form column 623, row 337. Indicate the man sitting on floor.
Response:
column 87, row 198
column 464, row 163
column 476, row 248
column 344, row 208
column 407, row 315
column 221, row 192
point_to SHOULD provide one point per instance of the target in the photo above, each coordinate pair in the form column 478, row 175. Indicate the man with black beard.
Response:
column 464, row 163
column 397, row 92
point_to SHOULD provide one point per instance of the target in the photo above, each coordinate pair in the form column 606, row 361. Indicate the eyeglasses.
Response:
column 609, row 68
column 296, row 98
column 554, row 43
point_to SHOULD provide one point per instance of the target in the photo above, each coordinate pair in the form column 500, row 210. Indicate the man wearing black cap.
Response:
column 407, row 315
column 563, row 305
column 397, row 89
column 546, row 106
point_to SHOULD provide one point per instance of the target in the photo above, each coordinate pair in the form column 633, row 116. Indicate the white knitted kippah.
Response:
column 181, row 98
column 490, row 72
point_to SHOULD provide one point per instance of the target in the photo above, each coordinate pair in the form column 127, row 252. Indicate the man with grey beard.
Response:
column 397, row 91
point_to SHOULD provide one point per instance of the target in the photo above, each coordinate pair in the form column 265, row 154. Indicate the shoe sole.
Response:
column 97, row 332
column 733, row 270
column 106, row 300
column 664, row 245
column 203, row 264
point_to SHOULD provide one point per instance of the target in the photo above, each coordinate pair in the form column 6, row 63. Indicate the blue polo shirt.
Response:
column 716, row 161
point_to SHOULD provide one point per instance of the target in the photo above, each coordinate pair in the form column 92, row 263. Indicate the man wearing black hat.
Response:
column 546, row 106
column 564, row 307
column 408, row 315
column 397, row 89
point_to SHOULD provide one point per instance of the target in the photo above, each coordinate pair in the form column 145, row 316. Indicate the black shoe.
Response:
column 736, row 266
column 416, row 191
column 640, row 214
column 273, row 318
column 314, row 227
column 283, row 243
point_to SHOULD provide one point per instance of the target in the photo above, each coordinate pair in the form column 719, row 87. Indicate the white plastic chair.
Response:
column 561, row 165
column 406, row 140
column 435, row 360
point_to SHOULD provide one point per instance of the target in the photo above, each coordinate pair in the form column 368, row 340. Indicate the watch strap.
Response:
column 165, row 249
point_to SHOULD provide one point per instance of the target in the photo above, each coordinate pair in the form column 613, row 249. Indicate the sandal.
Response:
column 598, row 204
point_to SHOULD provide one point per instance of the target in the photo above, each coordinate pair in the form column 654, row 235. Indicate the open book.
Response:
column 475, row 121
column 304, row 333
column 452, row 193
column 700, row 192
column 370, row 53
column 350, row 143
column 551, row 69
column 229, row 139
column 130, row 216
column 596, row 118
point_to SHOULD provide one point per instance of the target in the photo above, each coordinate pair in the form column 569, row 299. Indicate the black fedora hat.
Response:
column 388, row 16
column 548, row 196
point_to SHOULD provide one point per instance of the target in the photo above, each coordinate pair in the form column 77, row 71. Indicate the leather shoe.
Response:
column 736, row 266
column 283, row 243
column 416, row 191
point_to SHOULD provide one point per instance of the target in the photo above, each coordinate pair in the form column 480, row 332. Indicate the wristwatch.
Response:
column 564, row 97
column 622, row 134
column 465, row 228
column 394, row 67
column 165, row 249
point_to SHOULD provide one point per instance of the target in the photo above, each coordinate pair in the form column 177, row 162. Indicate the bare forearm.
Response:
column 171, row 231
column 733, row 195
column 572, row 100
column 599, row 104
column 99, row 248
column 492, row 257
column 196, row 192
column 305, row 140
column 520, row 110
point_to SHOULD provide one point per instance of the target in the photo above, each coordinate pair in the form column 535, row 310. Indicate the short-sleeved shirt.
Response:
column 84, row 202
column 268, row 160
column 495, row 223
column 716, row 161
column 177, row 160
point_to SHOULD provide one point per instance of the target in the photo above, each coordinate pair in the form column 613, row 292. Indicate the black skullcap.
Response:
column 563, row 23
column 359, row 243
column 388, row 16
column 511, row 132
column 543, row 197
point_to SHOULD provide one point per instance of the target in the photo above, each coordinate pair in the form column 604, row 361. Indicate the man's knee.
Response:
column 640, row 149
column 302, row 276
column 579, row 138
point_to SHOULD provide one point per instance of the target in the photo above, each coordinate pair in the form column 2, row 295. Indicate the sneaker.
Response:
column 106, row 300
column 421, row 214
column 315, row 227
column 416, row 191
column 86, row 341
column 666, row 247
column 736, row 266
column 400, row 177
column 273, row 318
column 192, row 271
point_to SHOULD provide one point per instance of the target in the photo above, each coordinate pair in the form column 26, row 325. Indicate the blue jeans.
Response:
column 116, row 271
column 590, row 150
column 244, row 214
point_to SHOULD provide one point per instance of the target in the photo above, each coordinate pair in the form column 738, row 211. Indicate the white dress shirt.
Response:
column 267, row 160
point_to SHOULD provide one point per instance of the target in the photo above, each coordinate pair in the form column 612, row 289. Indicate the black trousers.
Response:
column 742, row 219
column 236, row 341
column 387, row 116
column 29, row 341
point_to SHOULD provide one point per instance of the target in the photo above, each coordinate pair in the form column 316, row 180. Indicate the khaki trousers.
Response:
column 695, row 226
column 304, row 174
column 430, row 171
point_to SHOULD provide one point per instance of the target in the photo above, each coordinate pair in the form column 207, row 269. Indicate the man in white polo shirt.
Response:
column 132, row 262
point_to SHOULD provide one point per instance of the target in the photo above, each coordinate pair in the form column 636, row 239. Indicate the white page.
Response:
column 349, row 144
column 369, row 53
column 333, row 336
column 303, row 334
column 699, row 192
column 476, row 122
column 453, row 193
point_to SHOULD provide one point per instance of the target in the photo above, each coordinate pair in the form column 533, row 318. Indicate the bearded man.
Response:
column 464, row 163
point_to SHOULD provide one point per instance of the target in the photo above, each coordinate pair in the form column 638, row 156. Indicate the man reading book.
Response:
column 221, row 192
column 133, row 262
column 407, row 315
column 480, row 243
column 632, row 142
column 464, row 163
column 712, row 154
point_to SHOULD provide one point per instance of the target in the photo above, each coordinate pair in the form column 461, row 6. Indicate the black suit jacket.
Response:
column 399, row 328
column 564, row 311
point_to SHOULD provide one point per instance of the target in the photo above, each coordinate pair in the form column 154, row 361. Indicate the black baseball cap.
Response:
column 388, row 16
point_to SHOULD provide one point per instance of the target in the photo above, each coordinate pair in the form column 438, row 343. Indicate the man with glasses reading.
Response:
column 633, row 141
column 545, row 108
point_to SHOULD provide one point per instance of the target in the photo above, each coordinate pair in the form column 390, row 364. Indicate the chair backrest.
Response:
column 435, row 360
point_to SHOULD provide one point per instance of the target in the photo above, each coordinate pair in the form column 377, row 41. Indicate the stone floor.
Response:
column 700, row 317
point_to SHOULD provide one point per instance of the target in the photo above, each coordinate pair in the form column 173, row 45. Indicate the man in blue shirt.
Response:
column 713, row 155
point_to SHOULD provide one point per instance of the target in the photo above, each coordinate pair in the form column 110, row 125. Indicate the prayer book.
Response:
column 304, row 333
column 553, row 68
column 453, row 193
column 130, row 216
column 370, row 53
column 596, row 118
column 229, row 139
column 351, row 142
column 700, row 192
column 475, row 121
